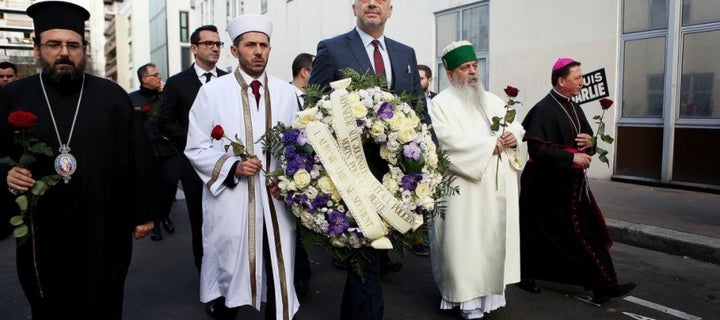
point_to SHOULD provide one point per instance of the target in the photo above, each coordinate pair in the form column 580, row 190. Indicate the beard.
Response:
column 63, row 69
column 471, row 93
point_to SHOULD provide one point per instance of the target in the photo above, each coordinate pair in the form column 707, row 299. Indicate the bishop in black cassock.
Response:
column 74, row 262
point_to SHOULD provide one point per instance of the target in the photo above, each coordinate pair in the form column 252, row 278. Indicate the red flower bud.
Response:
column 511, row 91
column 146, row 109
column 605, row 103
column 22, row 119
column 217, row 132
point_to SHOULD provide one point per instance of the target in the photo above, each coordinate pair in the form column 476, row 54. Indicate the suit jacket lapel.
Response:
column 398, row 64
column 355, row 46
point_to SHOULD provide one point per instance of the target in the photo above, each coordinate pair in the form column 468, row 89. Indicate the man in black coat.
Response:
column 146, row 102
column 179, row 94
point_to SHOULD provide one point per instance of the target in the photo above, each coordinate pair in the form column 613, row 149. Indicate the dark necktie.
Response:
column 255, row 85
column 208, row 76
column 379, row 64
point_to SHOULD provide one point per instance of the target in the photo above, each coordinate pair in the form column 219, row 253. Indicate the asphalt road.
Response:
column 162, row 284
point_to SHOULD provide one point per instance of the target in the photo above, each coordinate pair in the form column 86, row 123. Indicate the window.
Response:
column 700, row 11
column 184, row 28
column 644, row 15
column 643, row 78
column 469, row 23
column 263, row 6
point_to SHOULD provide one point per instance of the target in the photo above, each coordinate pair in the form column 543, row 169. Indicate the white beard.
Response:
column 472, row 94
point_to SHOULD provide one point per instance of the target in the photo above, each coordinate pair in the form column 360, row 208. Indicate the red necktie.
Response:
column 255, row 85
column 379, row 64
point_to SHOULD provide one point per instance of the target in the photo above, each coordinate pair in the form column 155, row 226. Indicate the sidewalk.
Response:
column 679, row 222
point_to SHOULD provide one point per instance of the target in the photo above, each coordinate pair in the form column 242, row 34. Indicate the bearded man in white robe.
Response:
column 248, row 237
column 475, row 248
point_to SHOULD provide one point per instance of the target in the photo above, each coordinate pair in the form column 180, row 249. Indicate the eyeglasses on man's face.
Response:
column 210, row 44
column 55, row 46
column 157, row 74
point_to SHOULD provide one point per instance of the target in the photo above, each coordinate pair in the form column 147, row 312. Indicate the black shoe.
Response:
column 168, row 225
column 529, row 286
column 155, row 235
column 340, row 265
column 392, row 267
column 215, row 308
column 420, row 250
column 302, row 287
column 602, row 295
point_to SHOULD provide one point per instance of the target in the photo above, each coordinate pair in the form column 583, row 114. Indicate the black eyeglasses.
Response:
column 210, row 44
column 55, row 46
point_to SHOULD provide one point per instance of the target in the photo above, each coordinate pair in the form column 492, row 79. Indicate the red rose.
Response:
column 146, row 109
column 217, row 132
column 605, row 103
column 22, row 119
column 511, row 91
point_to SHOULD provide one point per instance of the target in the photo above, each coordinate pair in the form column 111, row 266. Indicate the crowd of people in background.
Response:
column 244, row 241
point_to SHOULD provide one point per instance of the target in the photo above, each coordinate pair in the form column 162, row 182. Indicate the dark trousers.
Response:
column 168, row 171
column 302, row 262
column 225, row 313
column 193, row 198
column 363, row 300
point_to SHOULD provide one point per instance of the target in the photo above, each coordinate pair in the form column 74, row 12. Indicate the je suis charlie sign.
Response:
column 595, row 87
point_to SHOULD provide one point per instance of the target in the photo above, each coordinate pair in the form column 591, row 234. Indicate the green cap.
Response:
column 458, row 53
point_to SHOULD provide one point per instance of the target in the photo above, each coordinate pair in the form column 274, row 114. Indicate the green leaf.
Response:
column 510, row 116
column 20, row 231
column 596, row 117
column 51, row 180
column 41, row 148
column 603, row 158
column 607, row 138
column 26, row 160
column 495, row 126
column 39, row 188
column 8, row 161
column 22, row 202
column 601, row 129
column 16, row 221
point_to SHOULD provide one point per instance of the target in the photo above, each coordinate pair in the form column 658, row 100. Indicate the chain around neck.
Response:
column 52, row 117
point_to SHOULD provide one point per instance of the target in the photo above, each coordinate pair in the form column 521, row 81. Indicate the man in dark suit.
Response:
column 366, row 49
column 179, row 94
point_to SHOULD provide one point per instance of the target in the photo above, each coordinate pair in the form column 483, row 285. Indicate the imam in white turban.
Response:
column 249, row 23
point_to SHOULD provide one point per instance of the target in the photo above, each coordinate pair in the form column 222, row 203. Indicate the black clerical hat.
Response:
column 53, row 14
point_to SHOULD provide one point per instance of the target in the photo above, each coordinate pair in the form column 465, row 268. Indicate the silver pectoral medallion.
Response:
column 65, row 163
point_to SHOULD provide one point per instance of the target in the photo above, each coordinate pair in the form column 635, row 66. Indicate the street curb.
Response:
column 665, row 240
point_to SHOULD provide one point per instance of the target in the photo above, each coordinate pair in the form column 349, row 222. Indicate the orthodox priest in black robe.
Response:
column 73, row 262
column 564, row 237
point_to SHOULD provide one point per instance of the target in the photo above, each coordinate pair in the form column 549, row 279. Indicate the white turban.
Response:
column 249, row 23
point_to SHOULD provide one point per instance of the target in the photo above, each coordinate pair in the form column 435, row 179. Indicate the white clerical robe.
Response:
column 233, row 265
column 476, row 247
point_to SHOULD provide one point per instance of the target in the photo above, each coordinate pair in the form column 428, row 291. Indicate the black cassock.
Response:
column 84, row 229
column 563, row 234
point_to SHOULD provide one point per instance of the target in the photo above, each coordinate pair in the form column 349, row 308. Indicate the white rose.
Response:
column 390, row 184
column 427, row 203
column 413, row 120
column 302, row 178
column 377, row 129
column 304, row 117
column 384, row 152
column 423, row 190
column 326, row 185
column 431, row 159
column 359, row 110
column 311, row 192
column 406, row 135
column 398, row 121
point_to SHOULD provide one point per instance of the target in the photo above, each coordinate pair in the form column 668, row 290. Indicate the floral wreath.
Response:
column 358, row 113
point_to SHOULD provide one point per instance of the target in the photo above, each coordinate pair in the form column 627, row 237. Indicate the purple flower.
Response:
column 338, row 223
column 410, row 181
column 304, row 161
column 290, row 137
column 412, row 151
column 292, row 167
column 302, row 200
column 385, row 111
column 359, row 123
column 290, row 151
column 320, row 201
column 302, row 137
